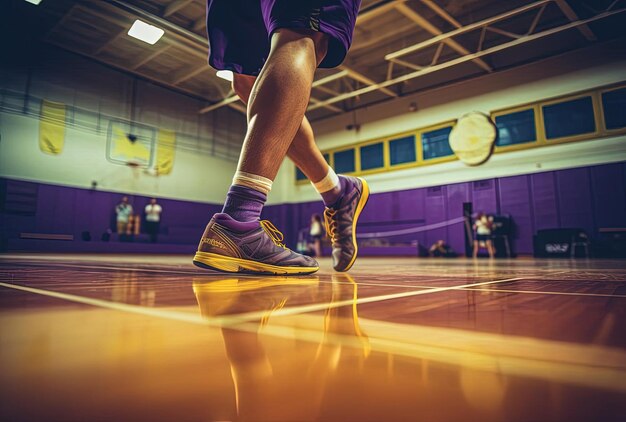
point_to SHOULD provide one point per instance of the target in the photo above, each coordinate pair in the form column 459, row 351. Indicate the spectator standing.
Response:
column 124, row 211
column 153, row 219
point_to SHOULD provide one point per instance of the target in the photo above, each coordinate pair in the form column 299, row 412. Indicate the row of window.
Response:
column 573, row 118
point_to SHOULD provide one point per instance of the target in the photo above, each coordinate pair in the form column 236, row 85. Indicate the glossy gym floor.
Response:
column 123, row 338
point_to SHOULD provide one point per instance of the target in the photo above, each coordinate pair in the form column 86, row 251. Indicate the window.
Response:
column 299, row 174
column 516, row 128
column 372, row 156
column 402, row 150
column 435, row 143
column 344, row 161
column 614, row 105
column 569, row 118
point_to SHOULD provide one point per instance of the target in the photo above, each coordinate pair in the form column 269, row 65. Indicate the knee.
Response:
column 304, row 42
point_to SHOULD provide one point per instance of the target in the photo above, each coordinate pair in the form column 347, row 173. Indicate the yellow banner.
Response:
column 52, row 127
column 166, row 147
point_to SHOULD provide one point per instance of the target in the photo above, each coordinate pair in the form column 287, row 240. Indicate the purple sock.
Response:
column 243, row 203
column 332, row 196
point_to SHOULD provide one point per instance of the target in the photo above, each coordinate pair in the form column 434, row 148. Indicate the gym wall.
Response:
column 561, row 75
column 207, row 146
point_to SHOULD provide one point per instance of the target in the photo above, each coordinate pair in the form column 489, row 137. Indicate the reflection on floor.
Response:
column 154, row 338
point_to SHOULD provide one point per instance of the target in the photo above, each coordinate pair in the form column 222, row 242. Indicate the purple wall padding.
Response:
column 484, row 196
column 457, row 194
column 379, row 208
column 609, row 201
column 435, row 212
column 66, row 210
column 515, row 201
column 574, row 196
column 544, row 200
column 588, row 198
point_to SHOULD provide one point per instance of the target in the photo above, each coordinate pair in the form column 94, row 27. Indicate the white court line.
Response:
column 540, row 365
column 183, row 271
column 228, row 320
column 124, row 307
column 202, row 273
column 422, row 271
column 543, row 293
column 351, row 302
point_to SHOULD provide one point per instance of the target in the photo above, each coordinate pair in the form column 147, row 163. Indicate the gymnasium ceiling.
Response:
column 400, row 46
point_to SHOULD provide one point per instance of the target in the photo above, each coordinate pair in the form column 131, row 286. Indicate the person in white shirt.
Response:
column 124, row 211
column 483, row 227
column 153, row 219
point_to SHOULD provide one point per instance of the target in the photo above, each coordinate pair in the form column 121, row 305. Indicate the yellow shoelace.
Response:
column 274, row 234
column 330, row 223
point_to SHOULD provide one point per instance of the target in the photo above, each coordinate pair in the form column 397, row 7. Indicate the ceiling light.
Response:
column 225, row 74
column 145, row 32
column 35, row 2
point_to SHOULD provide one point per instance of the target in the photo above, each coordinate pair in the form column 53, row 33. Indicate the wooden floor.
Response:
column 121, row 338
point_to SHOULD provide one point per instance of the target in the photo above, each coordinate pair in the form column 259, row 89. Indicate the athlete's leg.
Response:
column 233, row 240
column 276, row 105
column 303, row 151
column 279, row 99
column 344, row 197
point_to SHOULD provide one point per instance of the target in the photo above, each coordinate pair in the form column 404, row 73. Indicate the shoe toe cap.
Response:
column 310, row 262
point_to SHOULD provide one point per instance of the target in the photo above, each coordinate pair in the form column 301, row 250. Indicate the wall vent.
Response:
column 19, row 198
column 482, row 185
column 434, row 191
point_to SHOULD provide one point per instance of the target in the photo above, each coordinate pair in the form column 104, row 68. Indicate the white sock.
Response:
column 253, row 181
column 329, row 182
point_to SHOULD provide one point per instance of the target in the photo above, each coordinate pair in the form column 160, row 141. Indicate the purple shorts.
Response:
column 240, row 30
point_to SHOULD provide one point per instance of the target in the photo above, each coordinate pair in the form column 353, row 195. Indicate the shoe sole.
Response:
column 362, row 202
column 235, row 265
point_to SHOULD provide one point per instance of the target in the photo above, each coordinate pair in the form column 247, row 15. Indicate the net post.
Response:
column 467, row 228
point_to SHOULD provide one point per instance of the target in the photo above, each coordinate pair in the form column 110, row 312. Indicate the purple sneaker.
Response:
column 248, row 247
column 341, row 220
